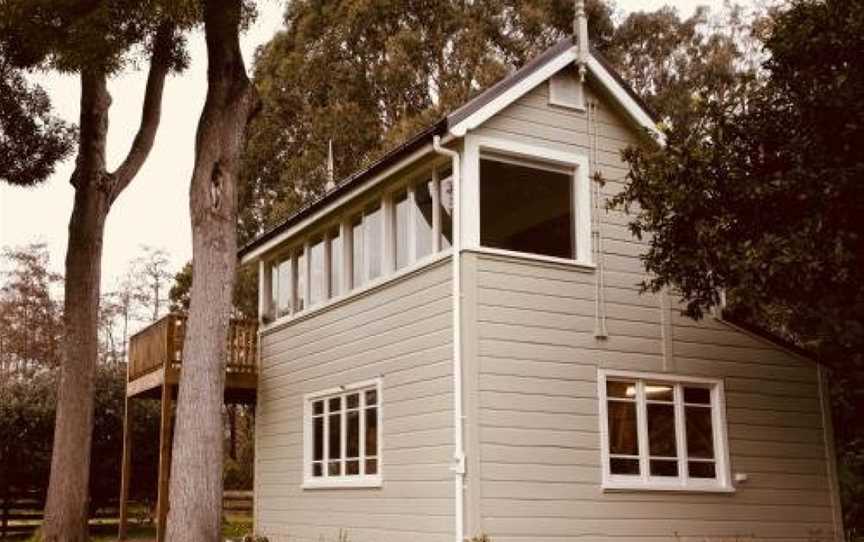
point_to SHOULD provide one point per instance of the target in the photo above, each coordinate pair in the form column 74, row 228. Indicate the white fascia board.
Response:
column 515, row 92
column 633, row 109
column 606, row 79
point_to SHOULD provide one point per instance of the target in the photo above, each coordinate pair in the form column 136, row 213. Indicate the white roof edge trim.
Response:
column 633, row 109
column 515, row 92
column 554, row 65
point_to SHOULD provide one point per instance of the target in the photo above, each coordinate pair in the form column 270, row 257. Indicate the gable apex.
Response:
column 538, row 71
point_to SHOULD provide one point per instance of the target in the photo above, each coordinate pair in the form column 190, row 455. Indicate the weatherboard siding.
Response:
column 402, row 333
column 531, row 387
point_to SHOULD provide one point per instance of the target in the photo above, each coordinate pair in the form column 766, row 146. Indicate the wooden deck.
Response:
column 156, row 358
column 154, row 372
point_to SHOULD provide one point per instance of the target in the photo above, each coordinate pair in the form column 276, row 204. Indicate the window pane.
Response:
column 318, row 407
column 661, row 430
column 526, row 209
column 317, row 470
column 623, row 466
column 371, row 431
column 700, row 433
column 353, row 400
column 318, row 439
column 699, row 469
column 283, row 288
column 335, row 404
column 335, row 264
column 353, row 442
column 335, row 440
column 352, row 468
column 357, row 275
column 333, row 468
column 445, row 197
column 401, row 216
column 659, row 392
column 372, row 226
column 371, row 466
column 371, row 397
column 700, row 396
column 316, row 273
column 622, row 428
column 623, row 390
column 300, row 282
column 423, row 218
column 664, row 468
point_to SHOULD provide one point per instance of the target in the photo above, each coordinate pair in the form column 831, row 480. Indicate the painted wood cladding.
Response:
column 401, row 332
column 531, row 387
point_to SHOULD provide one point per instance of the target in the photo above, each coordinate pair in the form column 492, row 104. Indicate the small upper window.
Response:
column 317, row 275
column 662, row 434
column 527, row 208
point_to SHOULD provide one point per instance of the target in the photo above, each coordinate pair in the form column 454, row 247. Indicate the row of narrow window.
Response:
column 386, row 236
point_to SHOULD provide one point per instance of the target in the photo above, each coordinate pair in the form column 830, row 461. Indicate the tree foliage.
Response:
column 758, row 193
column 30, row 313
column 32, row 140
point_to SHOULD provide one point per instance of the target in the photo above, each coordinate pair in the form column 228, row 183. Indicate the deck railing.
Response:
column 161, row 345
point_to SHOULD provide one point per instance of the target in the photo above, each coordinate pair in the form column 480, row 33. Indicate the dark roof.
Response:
column 766, row 335
column 440, row 127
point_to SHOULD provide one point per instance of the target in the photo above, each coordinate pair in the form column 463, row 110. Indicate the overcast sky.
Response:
column 154, row 209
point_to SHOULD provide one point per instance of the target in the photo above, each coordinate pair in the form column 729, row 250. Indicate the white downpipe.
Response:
column 458, row 445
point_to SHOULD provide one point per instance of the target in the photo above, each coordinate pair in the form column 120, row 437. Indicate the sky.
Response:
column 154, row 209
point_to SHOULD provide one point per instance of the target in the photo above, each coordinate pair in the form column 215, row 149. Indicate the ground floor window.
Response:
column 662, row 432
column 342, row 429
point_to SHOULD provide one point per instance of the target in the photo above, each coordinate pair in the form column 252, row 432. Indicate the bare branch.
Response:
column 160, row 65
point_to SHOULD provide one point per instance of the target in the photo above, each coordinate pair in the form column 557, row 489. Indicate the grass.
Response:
column 106, row 530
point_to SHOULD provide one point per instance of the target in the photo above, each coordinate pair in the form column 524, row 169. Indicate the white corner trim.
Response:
column 514, row 93
column 830, row 454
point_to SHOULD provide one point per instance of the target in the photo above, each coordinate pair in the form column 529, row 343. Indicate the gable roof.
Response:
column 470, row 115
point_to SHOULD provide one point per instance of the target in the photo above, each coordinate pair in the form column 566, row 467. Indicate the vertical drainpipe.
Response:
column 458, row 445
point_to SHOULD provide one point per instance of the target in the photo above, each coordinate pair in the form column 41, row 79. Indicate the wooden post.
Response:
column 164, row 460
column 125, row 470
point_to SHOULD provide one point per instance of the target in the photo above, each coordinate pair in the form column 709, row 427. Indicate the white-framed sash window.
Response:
column 663, row 432
column 342, row 436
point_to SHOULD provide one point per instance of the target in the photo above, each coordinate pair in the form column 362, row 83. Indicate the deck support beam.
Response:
column 125, row 470
column 164, row 461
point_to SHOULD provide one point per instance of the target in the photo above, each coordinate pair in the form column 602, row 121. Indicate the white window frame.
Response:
column 644, row 481
column 529, row 155
column 343, row 481
column 268, row 283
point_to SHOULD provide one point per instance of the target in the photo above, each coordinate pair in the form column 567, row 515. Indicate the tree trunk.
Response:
column 196, row 469
column 67, row 503
column 66, row 507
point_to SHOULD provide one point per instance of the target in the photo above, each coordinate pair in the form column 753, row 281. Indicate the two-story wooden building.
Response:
column 453, row 342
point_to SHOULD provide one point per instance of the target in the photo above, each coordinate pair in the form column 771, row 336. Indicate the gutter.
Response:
column 458, row 466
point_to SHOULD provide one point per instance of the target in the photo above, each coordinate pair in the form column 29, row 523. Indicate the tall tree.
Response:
column 94, row 40
column 758, row 193
column 151, row 270
column 29, row 311
column 195, row 492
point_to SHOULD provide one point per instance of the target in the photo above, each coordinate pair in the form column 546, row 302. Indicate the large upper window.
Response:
column 342, row 434
column 662, row 433
column 527, row 207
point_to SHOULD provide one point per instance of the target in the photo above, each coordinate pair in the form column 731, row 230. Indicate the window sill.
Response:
column 379, row 282
column 343, row 483
column 582, row 265
column 623, row 486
